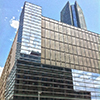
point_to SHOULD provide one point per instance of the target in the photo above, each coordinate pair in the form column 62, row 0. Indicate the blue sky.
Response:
column 10, row 12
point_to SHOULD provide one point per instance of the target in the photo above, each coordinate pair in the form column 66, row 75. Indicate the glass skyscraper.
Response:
column 51, row 60
column 73, row 15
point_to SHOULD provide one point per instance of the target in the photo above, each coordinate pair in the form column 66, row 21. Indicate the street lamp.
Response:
column 39, row 92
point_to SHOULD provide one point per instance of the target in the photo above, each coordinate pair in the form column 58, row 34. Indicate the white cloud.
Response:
column 5, row 18
column 1, row 69
column 13, row 17
column 14, row 23
column 11, row 39
column 21, row 7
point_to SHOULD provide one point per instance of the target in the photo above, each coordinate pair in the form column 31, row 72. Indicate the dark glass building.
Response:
column 51, row 60
column 73, row 15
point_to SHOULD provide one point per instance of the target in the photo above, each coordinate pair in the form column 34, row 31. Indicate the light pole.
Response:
column 39, row 92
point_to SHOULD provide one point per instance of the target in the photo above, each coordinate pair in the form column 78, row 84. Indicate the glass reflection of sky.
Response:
column 74, row 16
column 31, row 36
column 87, row 81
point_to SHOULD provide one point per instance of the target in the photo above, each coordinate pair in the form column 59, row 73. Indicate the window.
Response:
column 47, row 54
column 52, row 34
column 66, row 47
column 57, row 45
column 61, row 37
column 56, row 36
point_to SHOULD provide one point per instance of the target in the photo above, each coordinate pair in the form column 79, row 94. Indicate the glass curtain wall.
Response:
column 31, row 36
column 68, row 46
column 75, row 48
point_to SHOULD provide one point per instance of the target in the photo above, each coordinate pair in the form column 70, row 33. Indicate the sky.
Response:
column 10, row 13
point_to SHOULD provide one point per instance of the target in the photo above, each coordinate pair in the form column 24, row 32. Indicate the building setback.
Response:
column 51, row 60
